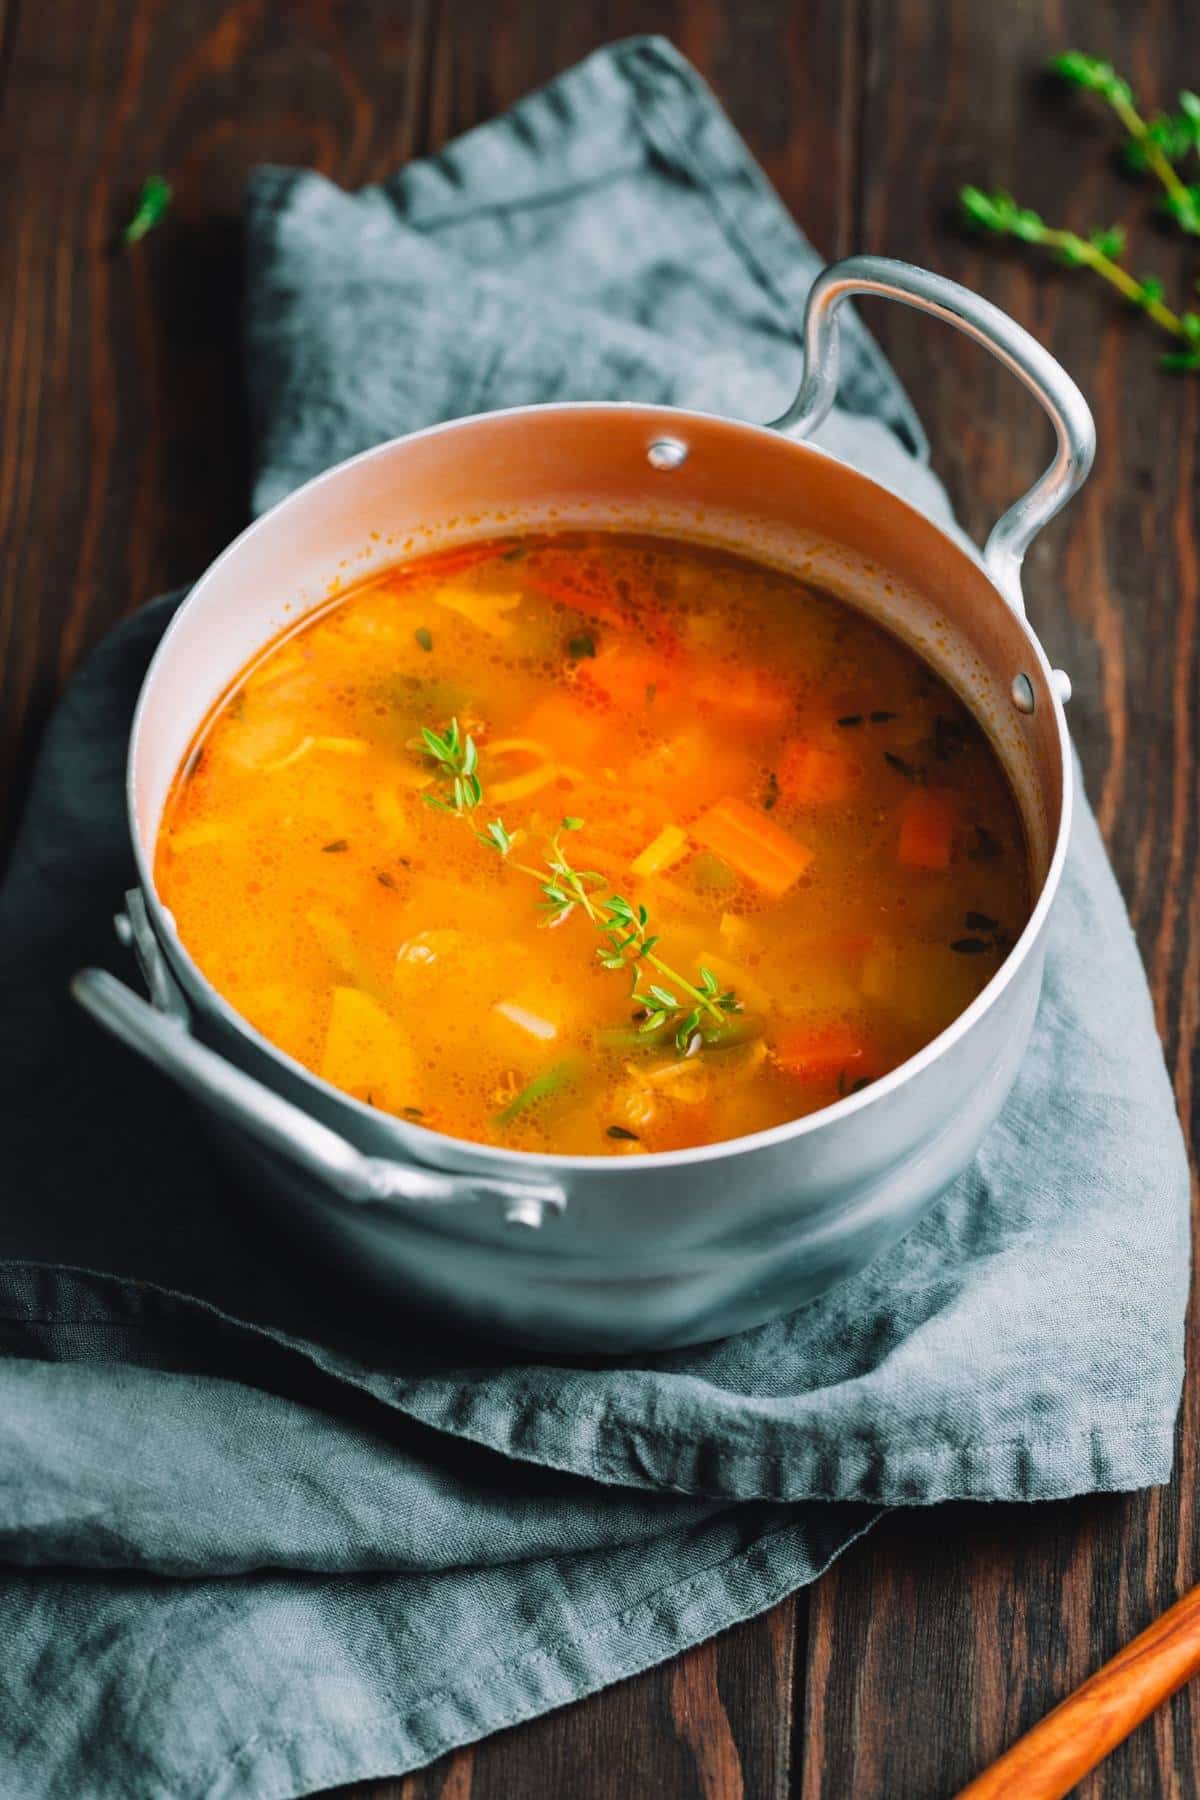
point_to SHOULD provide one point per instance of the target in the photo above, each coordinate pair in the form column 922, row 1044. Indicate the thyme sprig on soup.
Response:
column 594, row 843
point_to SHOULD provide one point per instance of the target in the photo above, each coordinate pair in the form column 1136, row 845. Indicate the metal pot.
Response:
column 648, row 1250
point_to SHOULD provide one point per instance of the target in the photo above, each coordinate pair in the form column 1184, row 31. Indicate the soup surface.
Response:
column 593, row 843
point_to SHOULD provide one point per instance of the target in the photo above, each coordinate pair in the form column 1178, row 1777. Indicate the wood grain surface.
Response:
column 1084, row 1728
column 122, row 471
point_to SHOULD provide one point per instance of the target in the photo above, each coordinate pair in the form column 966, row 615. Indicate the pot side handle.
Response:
column 274, row 1122
column 1009, row 343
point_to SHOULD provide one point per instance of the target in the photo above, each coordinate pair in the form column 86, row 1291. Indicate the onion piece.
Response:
column 486, row 611
column 345, row 746
column 518, row 787
column 527, row 1021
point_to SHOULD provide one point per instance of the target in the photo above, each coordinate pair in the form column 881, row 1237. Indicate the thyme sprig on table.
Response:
column 151, row 209
column 628, row 942
column 1157, row 143
column 1002, row 215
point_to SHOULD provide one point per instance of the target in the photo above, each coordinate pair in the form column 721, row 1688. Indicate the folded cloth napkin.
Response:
column 262, row 1539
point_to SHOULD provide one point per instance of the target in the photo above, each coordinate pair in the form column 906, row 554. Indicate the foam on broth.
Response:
column 801, row 805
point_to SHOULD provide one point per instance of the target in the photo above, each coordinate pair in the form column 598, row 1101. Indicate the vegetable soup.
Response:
column 593, row 843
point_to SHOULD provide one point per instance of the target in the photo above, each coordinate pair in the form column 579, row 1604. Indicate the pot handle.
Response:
column 1009, row 343
column 164, row 1040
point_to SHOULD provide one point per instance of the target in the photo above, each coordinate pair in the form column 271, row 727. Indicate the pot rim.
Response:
column 422, row 1143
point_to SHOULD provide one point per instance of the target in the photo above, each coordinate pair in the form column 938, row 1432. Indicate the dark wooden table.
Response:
column 122, row 439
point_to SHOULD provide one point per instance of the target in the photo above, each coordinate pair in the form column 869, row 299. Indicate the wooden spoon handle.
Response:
column 1079, row 1733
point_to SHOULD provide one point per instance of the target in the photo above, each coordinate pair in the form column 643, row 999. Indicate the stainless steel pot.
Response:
column 596, row 1253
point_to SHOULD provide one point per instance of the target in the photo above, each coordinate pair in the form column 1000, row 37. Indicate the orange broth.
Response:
column 824, row 843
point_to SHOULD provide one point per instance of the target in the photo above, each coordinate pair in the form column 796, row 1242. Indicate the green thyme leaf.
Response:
column 1110, row 243
column 628, row 943
column 153, row 202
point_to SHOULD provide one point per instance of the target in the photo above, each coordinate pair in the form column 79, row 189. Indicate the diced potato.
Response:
column 338, row 942
column 389, row 810
column 367, row 1053
column 486, row 611
column 663, row 852
column 735, row 930
column 200, row 834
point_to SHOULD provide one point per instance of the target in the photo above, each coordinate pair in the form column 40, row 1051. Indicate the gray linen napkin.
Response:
column 260, row 1543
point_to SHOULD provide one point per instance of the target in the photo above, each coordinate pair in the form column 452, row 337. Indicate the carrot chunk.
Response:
column 568, row 728
column 809, row 775
column 661, row 852
column 819, row 1052
column 736, row 693
column 926, row 829
column 629, row 674
column 750, row 843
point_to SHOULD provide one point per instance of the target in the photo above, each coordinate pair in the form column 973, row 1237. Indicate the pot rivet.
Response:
column 1062, row 684
column 124, row 929
column 1022, row 694
column 666, row 453
column 525, row 1210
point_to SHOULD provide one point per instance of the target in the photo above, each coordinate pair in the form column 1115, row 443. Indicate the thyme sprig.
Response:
column 1100, row 251
column 631, row 943
column 1156, row 143
column 628, row 942
column 567, row 887
column 456, row 758
column 151, row 209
